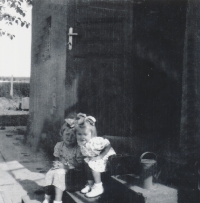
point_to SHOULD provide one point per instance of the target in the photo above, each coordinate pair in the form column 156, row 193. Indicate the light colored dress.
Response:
column 66, row 155
column 92, row 149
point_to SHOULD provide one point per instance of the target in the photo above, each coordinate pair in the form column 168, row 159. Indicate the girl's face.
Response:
column 83, row 135
column 68, row 137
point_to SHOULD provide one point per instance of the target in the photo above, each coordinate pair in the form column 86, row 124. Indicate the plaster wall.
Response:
column 48, row 69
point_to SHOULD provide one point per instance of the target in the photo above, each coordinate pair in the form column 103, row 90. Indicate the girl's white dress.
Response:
column 92, row 149
column 73, row 156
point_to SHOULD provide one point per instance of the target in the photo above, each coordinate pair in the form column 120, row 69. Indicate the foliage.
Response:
column 10, row 19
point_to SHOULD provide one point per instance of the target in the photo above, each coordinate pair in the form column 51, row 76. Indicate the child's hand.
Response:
column 69, row 166
column 57, row 165
column 95, row 158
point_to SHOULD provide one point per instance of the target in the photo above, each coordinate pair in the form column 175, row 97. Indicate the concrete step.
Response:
column 69, row 197
column 77, row 197
column 4, row 198
column 26, row 199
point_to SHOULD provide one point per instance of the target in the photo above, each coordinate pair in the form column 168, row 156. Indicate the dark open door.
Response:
column 96, row 81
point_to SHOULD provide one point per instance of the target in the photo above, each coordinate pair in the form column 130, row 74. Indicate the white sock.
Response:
column 46, row 198
column 99, row 184
column 57, row 201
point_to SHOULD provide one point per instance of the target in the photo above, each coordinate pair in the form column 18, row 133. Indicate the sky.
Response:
column 15, row 55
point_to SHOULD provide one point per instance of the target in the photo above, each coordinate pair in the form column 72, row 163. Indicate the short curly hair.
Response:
column 64, row 127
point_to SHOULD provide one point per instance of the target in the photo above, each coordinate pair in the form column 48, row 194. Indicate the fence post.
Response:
column 11, row 86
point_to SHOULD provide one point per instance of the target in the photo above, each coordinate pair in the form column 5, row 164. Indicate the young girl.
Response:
column 96, row 149
column 67, row 156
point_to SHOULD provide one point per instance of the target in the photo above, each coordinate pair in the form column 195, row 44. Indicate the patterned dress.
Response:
column 72, row 156
column 92, row 149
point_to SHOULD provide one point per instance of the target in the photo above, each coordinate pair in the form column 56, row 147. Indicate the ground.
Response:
column 22, row 171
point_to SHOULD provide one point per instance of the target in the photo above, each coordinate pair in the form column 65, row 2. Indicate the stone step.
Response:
column 77, row 197
column 33, row 197
column 26, row 199
column 4, row 198
column 135, row 193
column 68, row 197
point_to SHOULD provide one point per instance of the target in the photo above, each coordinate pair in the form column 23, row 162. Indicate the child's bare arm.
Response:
column 58, row 164
column 103, row 153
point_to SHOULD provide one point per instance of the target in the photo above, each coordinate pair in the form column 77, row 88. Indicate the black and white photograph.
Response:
column 99, row 101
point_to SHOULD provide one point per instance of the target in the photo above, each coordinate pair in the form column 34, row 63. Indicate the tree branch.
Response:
column 9, row 19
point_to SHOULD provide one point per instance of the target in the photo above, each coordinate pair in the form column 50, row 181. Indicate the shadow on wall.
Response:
column 50, row 135
column 137, row 93
column 143, row 102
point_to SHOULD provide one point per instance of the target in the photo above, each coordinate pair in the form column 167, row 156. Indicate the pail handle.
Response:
column 148, row 153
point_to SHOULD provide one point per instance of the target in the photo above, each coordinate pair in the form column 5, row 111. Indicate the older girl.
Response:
column 96, row 150
column 67, row 156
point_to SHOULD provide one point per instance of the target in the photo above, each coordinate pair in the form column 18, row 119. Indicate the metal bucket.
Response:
column 148, row 161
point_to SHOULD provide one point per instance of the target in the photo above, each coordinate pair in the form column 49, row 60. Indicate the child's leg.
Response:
column 97, row 176
column 89, row 174
column 46, row 198
column 97, row 189
column 58, row 182
column 48, row 188
column 58, row 194
column 90, row 180
column 48, row 193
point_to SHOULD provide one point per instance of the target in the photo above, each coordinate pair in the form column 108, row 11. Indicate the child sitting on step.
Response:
column 96, row 150
column 67, row 156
